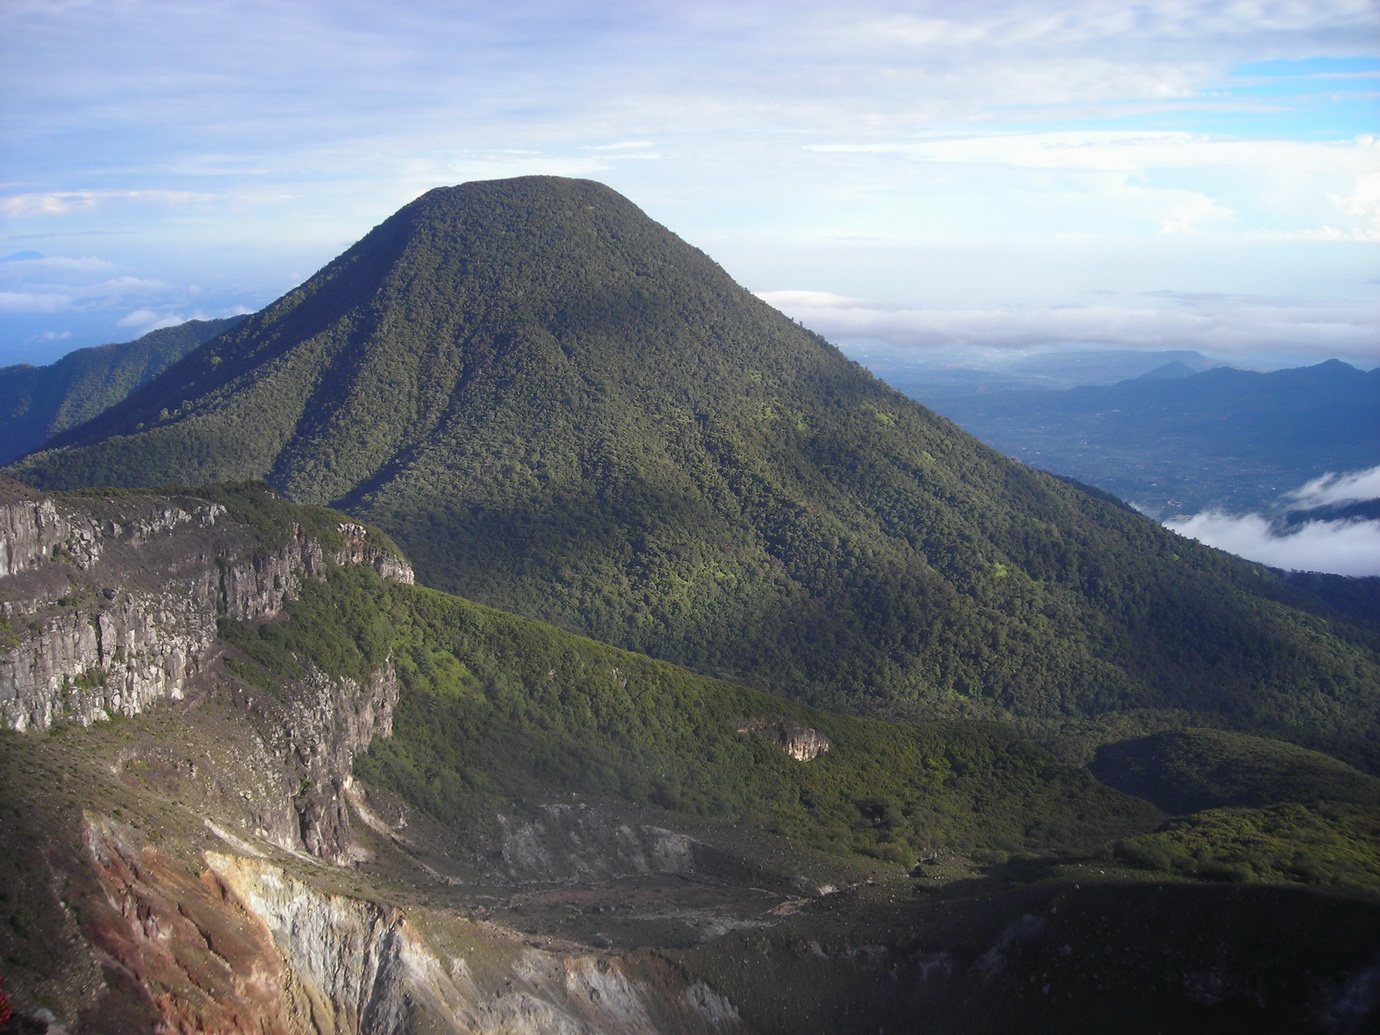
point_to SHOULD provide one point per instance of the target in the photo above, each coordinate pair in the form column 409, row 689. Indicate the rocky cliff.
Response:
column 187, row 867
column 244, row 945
column 110, row 603
column 795, row 738
column 357, row 966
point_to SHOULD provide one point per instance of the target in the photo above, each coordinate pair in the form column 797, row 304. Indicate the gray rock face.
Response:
column 795, row 738
column 565, row 842
column 329, row 722
column 361, row 967
column 109, row 604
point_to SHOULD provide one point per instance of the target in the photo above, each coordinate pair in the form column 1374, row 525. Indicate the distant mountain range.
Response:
column 38, row 402
column 1176, row 442
column 931, row 382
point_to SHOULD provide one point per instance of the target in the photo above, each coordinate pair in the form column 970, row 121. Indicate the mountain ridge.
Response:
column 561, row 409
column 1223, row 437
column 40, row 402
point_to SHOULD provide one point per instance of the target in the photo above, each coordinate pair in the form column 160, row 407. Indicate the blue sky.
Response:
column 985, row 176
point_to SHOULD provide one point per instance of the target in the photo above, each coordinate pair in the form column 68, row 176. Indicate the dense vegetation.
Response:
column 1329, row 844
column 38, row 402
column 1191, row 770
column 1232, row 439
column 496, row 707
column 560, row 409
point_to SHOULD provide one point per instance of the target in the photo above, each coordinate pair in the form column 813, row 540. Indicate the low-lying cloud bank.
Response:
column 1332, row 489
column 1221, row 324
column 1341, row 547
column 1338, row 547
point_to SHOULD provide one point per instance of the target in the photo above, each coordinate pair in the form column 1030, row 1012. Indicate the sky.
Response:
column 985, row 176
column 939, row 182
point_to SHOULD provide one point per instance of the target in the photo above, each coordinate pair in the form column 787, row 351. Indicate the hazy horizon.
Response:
column 997, row 175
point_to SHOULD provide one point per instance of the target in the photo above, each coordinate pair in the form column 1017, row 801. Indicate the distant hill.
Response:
column 1168, row 372
column 1190, row 770
column 921, row 378
column 38, row 402
column 561, row 409
column 1229, row 438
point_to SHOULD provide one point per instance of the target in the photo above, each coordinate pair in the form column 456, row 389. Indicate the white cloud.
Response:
column 33, row 302
column 141, row 321
column 791, row 301
column 1331, row 488
column 56, row 298
column 63, row 203
column 1212, row 323
column 49, row 265
column 45, row 204
column 1193, row 212
column 1109, row 182
column 1342, row 547
column 1339, row 547
column 1077, row 25
column 1363, row 202
column 122, row 287
column 217, row 129
column 625, row 146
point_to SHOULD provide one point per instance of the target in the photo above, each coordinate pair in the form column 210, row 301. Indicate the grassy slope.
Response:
column 498, row 706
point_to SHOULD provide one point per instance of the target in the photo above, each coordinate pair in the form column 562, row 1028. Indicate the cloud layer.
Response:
column 1331, row 489
column 1340, row 547
column 1212, row 323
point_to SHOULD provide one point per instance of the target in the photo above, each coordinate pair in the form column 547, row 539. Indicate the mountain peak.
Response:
column 1335, row 367
column 1171, row 371
column 557, row 285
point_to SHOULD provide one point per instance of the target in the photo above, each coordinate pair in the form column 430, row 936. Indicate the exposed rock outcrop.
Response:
column 795, row 738
column 330, row 721
column 110, row 603
column 357, row 966
column 573, row 842
column 177, row 952
column 250, row 947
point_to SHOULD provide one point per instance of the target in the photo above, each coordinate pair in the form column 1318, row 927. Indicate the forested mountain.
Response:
column 561, row 409
column 38, row 402
column 1234, row 439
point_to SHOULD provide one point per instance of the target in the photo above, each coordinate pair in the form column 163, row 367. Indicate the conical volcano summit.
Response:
column 561, row 409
